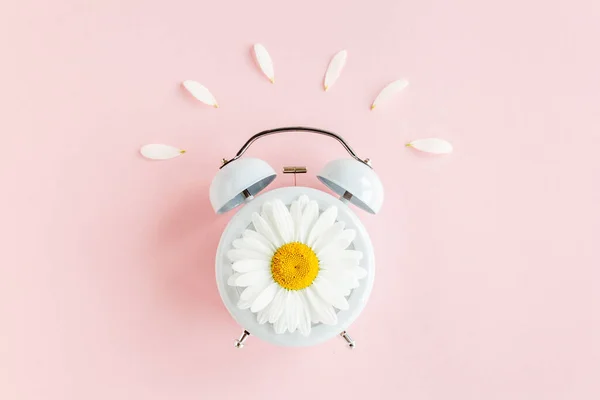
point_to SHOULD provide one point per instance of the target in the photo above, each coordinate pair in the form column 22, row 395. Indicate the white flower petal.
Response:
column 245, row 254
column 268, row 215
column 249, row 294
column 296, row 214
column 315, row 306
column 329, row 316
column 277, row 305
column 296, row 210
column 231, row 280
column 351, row 255
column 388, row 91
column 325, row 221
column 304, row 315
column 263, row 315
column 431, row 145
column 291, row 311
column 261, row 245
column 330, row 294
column 339, row 243
column 280, row 325
column 201, row 93
column 328, row 236
column 320, row 311
column 342, row 256
column 338, row 265
column 264, row 61
column 252, row 245
column 303, row 202
column 359, row 272
column 263, row 227
column 282, row 221
column 250, row 234
column 309, row 216
column 343, row 280
column 251, row 265
column 252, row 278
column 160, row 151
column 335, row 68
column 263, row 299
column 242, row 304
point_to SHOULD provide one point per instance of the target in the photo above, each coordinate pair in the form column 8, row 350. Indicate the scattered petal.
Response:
column 264, row 61
column 160, row 151
column 431, row 145
column 335, row 68
column 201, row 93
column 389, row 91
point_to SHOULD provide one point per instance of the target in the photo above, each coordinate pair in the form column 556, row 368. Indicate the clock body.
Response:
column 230, row 295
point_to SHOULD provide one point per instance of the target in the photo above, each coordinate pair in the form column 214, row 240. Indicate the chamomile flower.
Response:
column 295, row 265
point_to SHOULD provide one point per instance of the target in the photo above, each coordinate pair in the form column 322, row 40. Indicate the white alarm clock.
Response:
column 295, row 266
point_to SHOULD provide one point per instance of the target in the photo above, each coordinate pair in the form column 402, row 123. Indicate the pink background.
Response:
column 488, row 269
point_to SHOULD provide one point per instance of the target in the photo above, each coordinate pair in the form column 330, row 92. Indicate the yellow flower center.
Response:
column 294, row 266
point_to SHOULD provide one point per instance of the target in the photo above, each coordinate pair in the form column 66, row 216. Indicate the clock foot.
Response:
column 351, row 343
column 239, row 343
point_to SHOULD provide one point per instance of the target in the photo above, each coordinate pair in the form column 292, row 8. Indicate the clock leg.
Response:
column 239, row 343
column 351, row 343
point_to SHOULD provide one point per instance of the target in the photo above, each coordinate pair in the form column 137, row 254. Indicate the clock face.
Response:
column 312, row 267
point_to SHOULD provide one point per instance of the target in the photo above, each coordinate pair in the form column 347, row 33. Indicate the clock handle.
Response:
column 297, row 129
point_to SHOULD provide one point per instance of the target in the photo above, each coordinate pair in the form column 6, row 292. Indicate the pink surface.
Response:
column 488, row 268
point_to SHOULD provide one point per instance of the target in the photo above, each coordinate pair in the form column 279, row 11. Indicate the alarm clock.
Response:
column 295, row 266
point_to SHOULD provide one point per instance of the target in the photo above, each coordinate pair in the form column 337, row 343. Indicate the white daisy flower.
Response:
column 295, row 266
